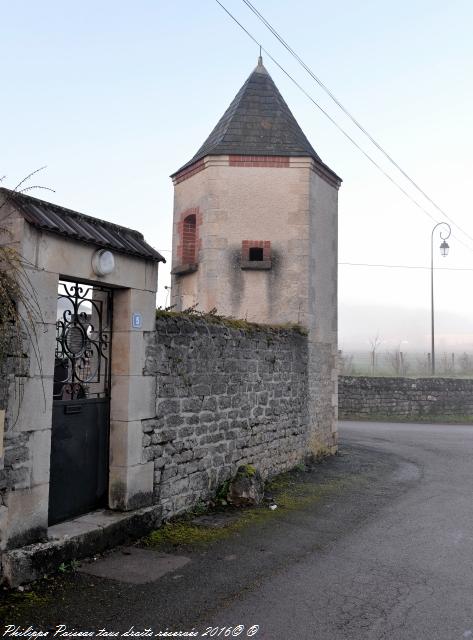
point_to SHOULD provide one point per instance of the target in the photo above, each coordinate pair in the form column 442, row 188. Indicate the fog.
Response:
column 406, row 329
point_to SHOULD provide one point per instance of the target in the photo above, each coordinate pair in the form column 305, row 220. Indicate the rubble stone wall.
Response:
column 15, row 450
column 227, row 395
column 424, row 399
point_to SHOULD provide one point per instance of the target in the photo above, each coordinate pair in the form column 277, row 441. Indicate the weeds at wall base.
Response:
column 290, row 491
column 21, row 601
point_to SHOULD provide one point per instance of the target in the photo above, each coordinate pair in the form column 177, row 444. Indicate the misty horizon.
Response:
column 404, row 329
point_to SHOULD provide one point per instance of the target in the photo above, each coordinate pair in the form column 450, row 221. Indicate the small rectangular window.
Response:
column 256, row 254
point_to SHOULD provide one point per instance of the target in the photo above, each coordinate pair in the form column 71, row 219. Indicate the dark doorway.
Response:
column 81, row 404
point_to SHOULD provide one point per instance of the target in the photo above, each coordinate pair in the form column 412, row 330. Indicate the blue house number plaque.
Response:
column 136, row 320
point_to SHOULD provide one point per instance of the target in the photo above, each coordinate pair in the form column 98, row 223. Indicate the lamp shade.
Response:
column 444, row 247
column 103, row 262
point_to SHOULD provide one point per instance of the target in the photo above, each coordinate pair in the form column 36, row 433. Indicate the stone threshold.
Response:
column 75, row 539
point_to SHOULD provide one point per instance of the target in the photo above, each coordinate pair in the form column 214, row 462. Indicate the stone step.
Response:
column 75, row 539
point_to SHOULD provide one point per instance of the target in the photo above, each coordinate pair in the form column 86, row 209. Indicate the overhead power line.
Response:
column 386, row 266
column 335, row 123
column 351, row 117
column 326, row 114
column 402, row 266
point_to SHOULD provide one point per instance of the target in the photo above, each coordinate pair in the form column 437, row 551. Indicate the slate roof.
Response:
column 257, row 122
column 78, row 226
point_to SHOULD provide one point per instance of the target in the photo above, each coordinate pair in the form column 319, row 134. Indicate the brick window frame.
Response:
column 248, row 262
column 189, row 241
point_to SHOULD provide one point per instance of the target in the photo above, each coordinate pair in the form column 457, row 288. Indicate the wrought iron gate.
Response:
column 81, row 402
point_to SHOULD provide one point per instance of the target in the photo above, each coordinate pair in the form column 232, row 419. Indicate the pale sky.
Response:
column 115, row 96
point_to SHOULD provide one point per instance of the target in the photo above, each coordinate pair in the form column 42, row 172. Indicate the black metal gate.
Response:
column 81, row 404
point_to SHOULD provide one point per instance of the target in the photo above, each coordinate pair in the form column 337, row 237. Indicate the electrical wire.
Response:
column 351, row 117
column 335, row 123
column 402, row 266
column 387, row 266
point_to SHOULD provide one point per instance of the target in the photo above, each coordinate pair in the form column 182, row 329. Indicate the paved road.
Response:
column 405, row 574
column 385, row 552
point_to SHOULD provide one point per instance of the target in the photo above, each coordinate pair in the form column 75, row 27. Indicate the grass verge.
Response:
column 291, row 491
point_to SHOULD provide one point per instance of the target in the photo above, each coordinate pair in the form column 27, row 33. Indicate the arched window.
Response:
column 189, row 240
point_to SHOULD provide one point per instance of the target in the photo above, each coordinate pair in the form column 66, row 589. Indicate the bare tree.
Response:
column 465, row 364
column 374, row 344
column 345, row 364
column 397, row 360
column 447, row 364
column 423, row 365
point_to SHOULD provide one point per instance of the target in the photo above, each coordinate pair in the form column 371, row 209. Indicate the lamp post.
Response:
column 444, row 247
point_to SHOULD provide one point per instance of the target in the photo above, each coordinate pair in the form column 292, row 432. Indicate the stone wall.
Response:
column 226, row 396
column 226, row 393
column 414, row 399
column 15, row 450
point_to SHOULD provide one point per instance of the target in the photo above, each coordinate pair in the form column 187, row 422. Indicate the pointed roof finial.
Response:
column 258, row 122
column 260, row 58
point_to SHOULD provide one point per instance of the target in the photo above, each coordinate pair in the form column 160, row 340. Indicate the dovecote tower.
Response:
column 255, row 231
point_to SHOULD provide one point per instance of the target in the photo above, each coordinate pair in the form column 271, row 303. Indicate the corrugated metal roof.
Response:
column 78, row 226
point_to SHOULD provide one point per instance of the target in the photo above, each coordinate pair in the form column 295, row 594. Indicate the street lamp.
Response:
column 444, row 247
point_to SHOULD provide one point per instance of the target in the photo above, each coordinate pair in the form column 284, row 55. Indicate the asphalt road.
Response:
column 383, row 551
column 405, row 574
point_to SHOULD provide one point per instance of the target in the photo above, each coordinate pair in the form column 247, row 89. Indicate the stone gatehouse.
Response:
column 112, row 418
column 74, row 395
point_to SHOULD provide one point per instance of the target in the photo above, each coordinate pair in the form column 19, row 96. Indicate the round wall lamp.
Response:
column 103, row 262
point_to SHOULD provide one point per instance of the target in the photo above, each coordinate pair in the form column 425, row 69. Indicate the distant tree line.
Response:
column 395, row 362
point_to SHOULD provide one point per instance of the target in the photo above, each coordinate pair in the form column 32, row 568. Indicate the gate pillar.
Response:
column 28, row 420
column 133, row 400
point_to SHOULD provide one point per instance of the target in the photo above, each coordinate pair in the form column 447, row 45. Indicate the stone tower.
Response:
column 255, row 231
